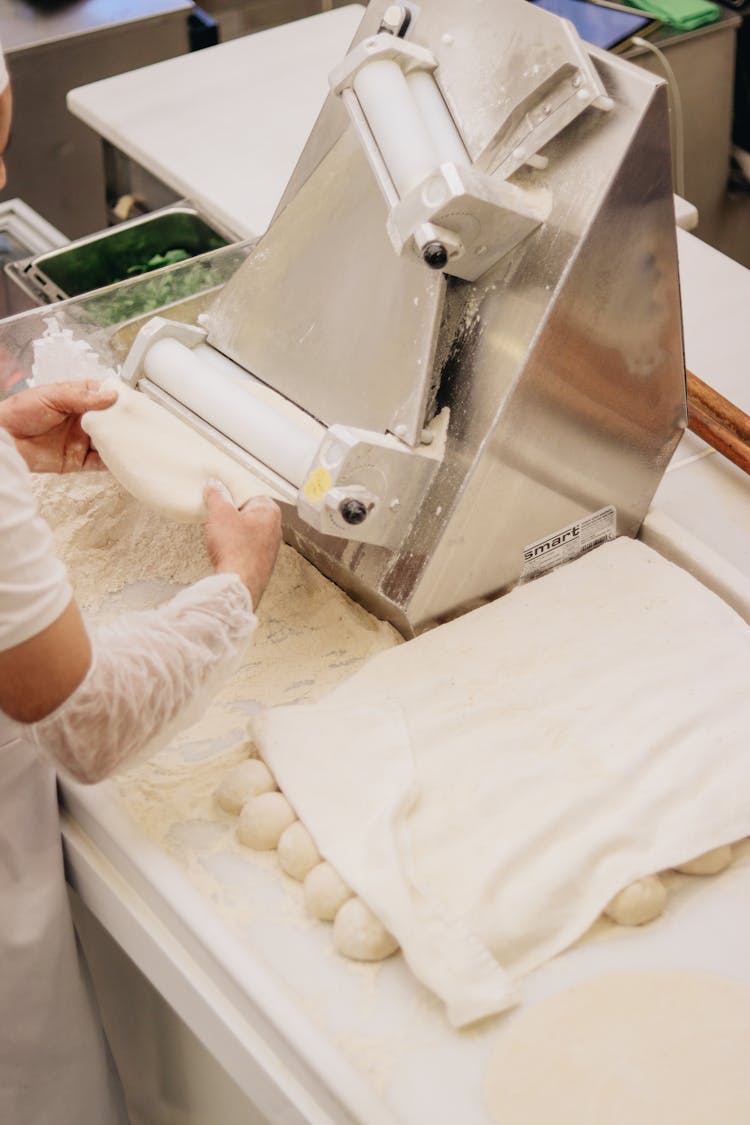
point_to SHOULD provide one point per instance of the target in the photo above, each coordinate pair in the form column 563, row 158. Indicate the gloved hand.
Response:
column 152, row 673
column 243, row 542
column 45, row 424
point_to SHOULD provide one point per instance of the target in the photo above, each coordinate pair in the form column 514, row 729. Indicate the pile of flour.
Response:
column 108, row 541
column 121, row 555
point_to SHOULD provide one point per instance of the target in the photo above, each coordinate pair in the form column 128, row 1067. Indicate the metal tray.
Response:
column 118, row 254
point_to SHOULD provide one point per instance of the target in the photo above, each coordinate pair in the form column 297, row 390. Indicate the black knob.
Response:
column 353, row 511
column 435, row 255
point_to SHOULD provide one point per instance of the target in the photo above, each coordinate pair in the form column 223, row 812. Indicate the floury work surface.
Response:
column 254, row 976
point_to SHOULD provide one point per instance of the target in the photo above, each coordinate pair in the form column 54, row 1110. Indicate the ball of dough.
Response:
column 639, row 903
column 325, row 892
column 262, row 821
column 297, row 852
column 359, row 935
column 710, row 863
column 238, row 785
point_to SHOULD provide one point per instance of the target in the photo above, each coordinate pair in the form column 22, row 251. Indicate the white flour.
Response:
column 109, row 542
column 311, row 635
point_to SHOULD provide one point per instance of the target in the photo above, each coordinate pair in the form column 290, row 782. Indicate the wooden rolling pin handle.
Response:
column 719, row 422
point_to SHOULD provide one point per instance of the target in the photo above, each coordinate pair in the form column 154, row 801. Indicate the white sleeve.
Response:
column 34, row 589
column 151, row 674
column 3, row 70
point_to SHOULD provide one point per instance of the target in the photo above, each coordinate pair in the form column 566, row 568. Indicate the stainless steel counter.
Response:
column 55, row 163
column 703, row 64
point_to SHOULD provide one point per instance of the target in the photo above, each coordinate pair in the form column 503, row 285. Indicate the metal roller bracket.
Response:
column 157, row 329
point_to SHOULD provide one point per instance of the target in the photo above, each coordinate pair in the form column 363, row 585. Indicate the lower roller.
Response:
column 231, row 401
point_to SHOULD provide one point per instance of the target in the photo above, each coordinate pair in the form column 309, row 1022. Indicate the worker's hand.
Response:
column 45, row 423
column 243, row 542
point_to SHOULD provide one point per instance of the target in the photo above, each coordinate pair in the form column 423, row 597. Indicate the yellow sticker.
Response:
column 317, row 484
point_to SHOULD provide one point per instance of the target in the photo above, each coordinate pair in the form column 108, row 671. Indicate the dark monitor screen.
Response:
column 603, row 27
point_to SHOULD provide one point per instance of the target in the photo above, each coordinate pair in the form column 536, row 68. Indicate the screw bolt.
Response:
column 435, row 255
column 353, row 511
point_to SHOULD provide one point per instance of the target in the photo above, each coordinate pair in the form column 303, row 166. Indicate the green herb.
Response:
column 156, row 261
column 144, row 296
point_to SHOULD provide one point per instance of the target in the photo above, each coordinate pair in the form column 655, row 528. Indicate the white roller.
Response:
column 396, row 123
column 228, row 404
column 437, row 118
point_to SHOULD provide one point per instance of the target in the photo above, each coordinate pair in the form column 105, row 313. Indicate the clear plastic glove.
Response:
column 152, row 673
column 244, row 542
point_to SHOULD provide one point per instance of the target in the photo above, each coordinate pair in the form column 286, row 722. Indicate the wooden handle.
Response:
column 719, row 422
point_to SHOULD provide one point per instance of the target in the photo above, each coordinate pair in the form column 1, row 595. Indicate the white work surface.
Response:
column 224, row 127
column 310, row 1037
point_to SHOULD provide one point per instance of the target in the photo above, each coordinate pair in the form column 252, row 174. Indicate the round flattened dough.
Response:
column 710, row 863
column 639, row 903
column 627, row 1049
column 359, row 935
column 262, row 821
column 160, row 460
column 297, row 851
column 325, row 892
column 238, row 785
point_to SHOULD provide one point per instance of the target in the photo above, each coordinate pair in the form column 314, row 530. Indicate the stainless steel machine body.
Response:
column 474, row 415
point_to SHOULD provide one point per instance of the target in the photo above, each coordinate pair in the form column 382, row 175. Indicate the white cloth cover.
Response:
column 488, row 787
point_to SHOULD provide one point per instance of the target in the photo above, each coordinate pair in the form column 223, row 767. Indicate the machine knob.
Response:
column 435, row 255
column 353, row 511
column 395, row 20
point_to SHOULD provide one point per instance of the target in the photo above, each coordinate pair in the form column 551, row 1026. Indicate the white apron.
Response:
column 54, row 1065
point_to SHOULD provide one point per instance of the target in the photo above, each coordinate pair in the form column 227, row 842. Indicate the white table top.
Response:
column 200, row 122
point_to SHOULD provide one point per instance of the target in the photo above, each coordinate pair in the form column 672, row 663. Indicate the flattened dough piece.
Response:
column 161, row 460
column 646, row 1047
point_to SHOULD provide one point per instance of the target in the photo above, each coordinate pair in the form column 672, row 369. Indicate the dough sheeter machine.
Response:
column 456, row 353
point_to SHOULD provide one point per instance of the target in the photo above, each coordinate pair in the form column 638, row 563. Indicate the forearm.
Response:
column 151, row 674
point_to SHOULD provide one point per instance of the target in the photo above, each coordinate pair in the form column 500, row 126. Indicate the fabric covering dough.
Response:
column 652, row 1048
column 599, row 716
column 161, row 460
